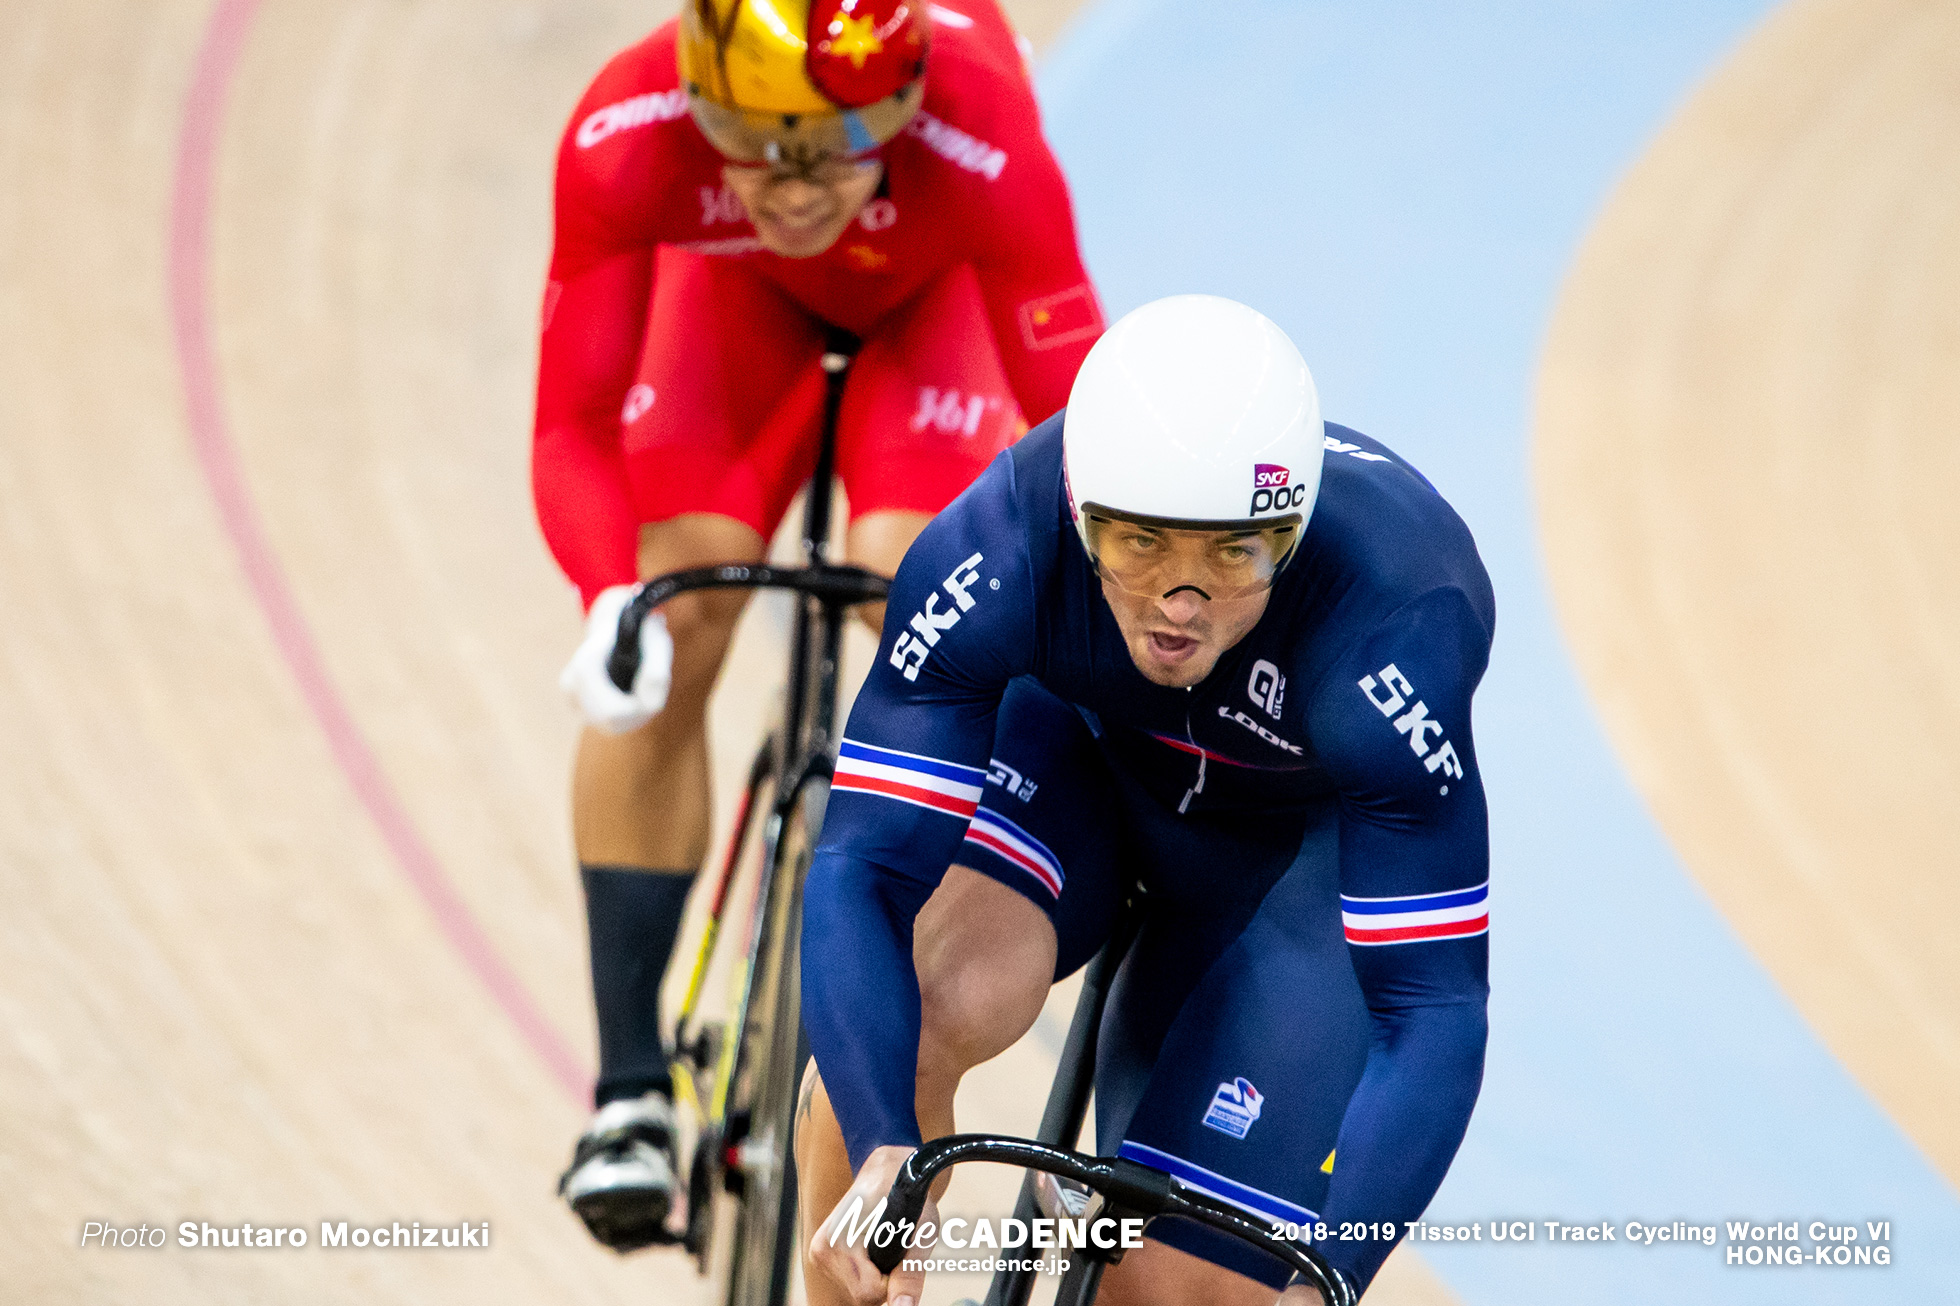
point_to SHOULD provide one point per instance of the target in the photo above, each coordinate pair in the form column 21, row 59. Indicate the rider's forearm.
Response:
column 861, row 997
column 1403, row 1126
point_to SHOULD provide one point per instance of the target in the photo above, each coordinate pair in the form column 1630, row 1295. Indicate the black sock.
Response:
column 633, row 917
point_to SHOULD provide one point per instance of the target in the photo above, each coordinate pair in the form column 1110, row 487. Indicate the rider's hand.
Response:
column 845, row 1262
column 585, row 678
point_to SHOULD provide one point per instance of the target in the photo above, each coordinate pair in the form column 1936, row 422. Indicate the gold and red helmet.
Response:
column 796, row 82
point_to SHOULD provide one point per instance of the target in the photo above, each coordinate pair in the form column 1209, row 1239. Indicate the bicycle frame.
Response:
column 797, row 759
column 1127, row 1188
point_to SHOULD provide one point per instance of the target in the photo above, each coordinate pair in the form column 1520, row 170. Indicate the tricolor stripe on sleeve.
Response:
column 921, row 781
column 1419, row 918
column 998, row 835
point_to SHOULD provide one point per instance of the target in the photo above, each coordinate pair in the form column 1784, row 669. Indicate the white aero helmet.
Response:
column 1192, row 414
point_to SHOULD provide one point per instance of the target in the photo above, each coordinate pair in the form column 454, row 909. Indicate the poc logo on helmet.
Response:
column 1271, row 491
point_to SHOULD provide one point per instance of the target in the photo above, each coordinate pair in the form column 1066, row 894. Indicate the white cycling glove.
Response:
column 585, row 677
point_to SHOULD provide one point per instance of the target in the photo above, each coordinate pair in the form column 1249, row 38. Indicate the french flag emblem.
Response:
column 1234, row 1107
column 908, row 777
column 1418, row 918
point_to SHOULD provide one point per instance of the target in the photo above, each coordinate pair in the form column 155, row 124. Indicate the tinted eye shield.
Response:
column 801, row 143
column 1152, row 557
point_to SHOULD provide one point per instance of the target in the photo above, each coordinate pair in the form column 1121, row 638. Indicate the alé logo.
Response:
column 1273, row 491
column 1234, row 1107
column 1267, row 687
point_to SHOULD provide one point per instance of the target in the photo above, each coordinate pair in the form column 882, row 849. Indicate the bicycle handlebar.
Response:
column 1126, row 1184
column 828, row 582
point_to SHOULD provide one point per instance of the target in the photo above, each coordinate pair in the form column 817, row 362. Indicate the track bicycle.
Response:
column 1091, row 1188
column 738, row 1077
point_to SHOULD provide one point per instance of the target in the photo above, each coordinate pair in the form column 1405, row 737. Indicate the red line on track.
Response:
column 190, row 242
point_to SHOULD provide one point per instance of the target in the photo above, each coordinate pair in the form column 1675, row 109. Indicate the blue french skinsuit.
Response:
column 1299, row 1027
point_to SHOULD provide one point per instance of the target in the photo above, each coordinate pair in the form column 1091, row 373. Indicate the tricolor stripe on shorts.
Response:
column 910, row 778
column 1419, row 918
column 1243, row 1196
column 1000, row 836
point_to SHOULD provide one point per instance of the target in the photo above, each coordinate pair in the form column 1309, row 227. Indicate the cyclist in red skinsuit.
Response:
column 973, row 220
column 679, row 401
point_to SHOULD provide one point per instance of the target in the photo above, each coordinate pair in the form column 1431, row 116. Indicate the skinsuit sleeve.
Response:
column 958, row 627
column 592, row 328
column 1392, row 719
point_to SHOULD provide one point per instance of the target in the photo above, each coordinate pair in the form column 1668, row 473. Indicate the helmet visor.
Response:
column 802, row 141
column 1155, row 556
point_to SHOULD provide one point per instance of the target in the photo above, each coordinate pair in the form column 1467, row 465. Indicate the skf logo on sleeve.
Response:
column 1390, row 694
column 928, row 623
column 1273, row 491
column 1234, row 1107
column 1056, row 320
column 1267, row 687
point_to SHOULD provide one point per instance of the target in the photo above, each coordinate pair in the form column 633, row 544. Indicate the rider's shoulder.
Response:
column 635, row 94
column 979, row 113
column 1390, row 534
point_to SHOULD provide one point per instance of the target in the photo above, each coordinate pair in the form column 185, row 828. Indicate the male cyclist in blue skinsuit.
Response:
column 1187, row 634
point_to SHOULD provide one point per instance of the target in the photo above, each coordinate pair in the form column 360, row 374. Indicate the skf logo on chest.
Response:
column 915, row 646
column 1394, row 694
column 1273, row 491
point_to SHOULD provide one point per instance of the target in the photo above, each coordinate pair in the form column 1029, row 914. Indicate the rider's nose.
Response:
column 1180, row 607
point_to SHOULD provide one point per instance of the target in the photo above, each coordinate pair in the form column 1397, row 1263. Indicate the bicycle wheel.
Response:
column 769, row 1065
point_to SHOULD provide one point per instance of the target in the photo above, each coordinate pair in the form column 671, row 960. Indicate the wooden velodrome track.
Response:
column 1748, row 463
column 292, row 932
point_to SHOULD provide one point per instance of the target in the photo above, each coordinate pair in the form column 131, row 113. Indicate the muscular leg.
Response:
column 640, row 805
column 878, row 540
column 641, row 798
column 985, row 956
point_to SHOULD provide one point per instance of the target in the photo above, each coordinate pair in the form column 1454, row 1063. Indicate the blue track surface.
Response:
column 1402, row 187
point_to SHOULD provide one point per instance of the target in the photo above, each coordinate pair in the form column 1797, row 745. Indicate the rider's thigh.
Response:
column 702, row 621
column 928, row 404
column 878, row 540
column 723, row 414
column 1190, row 1059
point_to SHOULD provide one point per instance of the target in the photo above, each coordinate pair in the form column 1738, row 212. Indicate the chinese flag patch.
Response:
column 1061, row 319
